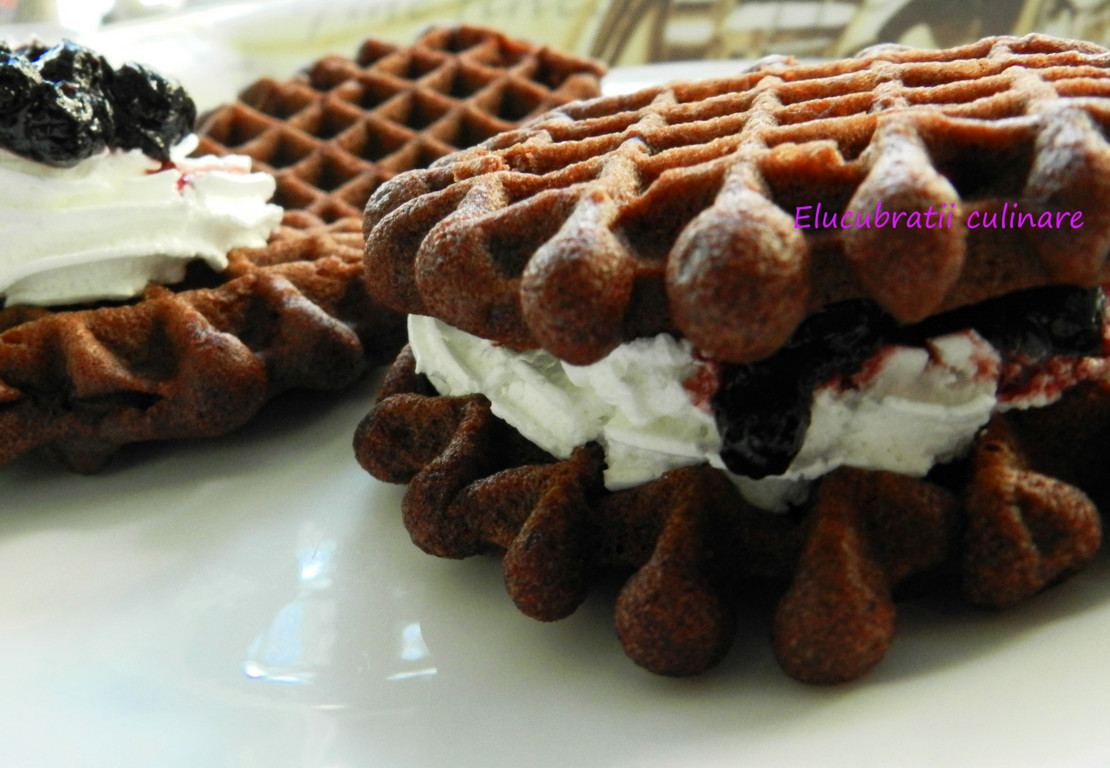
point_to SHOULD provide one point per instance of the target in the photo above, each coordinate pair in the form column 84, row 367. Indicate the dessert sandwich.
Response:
column 831, row 329
column 164, row 276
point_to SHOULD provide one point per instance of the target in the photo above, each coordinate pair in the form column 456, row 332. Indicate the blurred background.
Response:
column 641, row 31
column 219, row 46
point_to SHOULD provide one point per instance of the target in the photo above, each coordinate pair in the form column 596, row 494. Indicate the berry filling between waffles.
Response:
column 850, row 388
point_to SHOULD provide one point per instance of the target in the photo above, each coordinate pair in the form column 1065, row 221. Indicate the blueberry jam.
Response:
column 152, row 113
column 762, row 409
column 62, row 104
column 1036, row 324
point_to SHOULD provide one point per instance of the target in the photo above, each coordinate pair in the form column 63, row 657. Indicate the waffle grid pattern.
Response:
column 343, row 126
column 674, row 209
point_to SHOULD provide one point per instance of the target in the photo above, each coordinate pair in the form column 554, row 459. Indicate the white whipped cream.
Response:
column 633, row 402
column 907, row 409
column 106, row 227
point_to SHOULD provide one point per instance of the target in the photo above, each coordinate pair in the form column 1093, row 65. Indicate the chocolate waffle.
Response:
column 200, row 358
column 677, row 208
column 673, row 211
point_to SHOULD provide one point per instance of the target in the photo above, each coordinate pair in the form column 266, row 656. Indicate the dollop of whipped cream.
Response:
column 106, row 227
column 905, row 410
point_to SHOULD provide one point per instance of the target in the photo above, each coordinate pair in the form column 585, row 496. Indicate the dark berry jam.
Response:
column 1033, row 324
column 62, row 104
column 762, row 409
column 152, row 113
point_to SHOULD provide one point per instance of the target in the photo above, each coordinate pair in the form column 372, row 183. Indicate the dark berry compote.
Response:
column 64, row 103
column 762, row 409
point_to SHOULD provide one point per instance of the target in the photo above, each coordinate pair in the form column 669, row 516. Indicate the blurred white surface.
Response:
column 254, row 602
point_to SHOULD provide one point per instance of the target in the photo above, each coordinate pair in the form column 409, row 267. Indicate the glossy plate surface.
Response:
column 253, row 601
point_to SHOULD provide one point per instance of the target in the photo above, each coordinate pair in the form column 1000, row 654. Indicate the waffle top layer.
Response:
column 727, row 210
column 343, row 126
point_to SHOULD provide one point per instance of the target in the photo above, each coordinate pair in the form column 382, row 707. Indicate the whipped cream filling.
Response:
column 633, row 402
column 106, row 227
column 905, row 410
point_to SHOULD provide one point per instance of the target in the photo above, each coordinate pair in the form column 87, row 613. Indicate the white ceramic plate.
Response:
column 253, row 602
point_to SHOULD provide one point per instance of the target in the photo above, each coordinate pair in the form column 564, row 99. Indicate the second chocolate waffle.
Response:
column 200, row 358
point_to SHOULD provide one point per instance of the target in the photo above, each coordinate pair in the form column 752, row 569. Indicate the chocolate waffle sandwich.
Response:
column 198, row 356
column 831, row 328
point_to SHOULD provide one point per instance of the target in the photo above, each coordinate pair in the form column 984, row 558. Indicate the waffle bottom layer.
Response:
column 995, row 529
